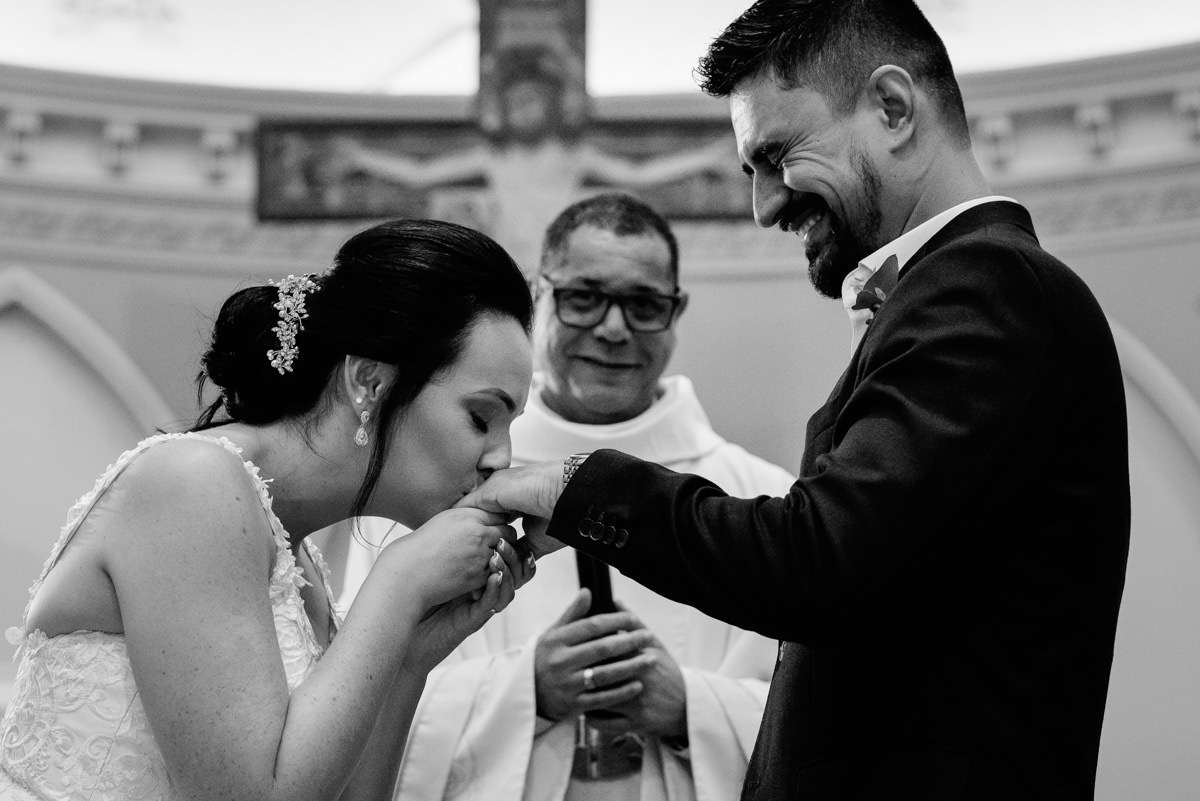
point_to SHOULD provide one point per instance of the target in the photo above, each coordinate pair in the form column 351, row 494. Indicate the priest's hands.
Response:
column 642, row 686
column 569, row 676
column 660, row 709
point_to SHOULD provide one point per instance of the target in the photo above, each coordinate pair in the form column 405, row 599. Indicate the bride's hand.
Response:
column 448, row 624
column 452, row 554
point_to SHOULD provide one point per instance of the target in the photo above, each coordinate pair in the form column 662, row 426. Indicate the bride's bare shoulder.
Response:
column 185, row 465
column 189, row 485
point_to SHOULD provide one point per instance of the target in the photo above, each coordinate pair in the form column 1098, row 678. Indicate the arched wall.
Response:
column 73, row 400
column 1152, row 721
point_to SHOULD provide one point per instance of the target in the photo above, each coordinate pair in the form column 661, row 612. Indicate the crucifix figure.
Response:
column 532, row 151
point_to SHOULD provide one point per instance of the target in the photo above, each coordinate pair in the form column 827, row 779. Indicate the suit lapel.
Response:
column 819, row 433
column 818, row 438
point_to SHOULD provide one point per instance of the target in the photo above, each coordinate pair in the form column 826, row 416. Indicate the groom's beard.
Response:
column 829, row 266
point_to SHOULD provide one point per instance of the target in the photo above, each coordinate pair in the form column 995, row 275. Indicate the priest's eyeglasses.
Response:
column 644, row 312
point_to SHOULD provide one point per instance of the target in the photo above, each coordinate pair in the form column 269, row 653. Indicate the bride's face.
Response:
column 455, row 432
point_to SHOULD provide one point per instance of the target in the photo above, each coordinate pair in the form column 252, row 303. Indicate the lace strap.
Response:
column 75, row 517
column 318, row 560
column 81, row 508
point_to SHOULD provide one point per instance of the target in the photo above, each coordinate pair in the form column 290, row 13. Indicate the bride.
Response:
column 180, row 642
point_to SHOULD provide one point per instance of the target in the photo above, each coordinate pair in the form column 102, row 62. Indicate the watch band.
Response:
column 572, row 464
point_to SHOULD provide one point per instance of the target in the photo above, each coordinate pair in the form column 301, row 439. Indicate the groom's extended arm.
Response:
column 959, row 389
column 947, row 386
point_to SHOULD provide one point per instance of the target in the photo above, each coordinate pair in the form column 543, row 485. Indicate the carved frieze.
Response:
column 1093, row 148
column 167, row 238
column 159, row 238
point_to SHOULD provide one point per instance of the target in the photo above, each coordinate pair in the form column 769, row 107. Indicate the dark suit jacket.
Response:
column 945, row 574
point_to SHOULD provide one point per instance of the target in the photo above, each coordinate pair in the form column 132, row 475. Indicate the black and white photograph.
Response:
column 600, row 400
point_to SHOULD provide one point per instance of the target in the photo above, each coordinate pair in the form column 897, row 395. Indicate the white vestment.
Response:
column 476, row 734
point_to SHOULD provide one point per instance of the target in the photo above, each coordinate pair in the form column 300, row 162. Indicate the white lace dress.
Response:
column 75, row 727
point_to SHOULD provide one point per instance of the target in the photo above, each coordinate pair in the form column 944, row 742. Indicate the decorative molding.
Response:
column 120, row 137
column 21, row 125
column 1096, row 122
column 1112, row 208
column 219, row 145
column 163, row 239
column 187, row 104
column 1103, row 151
column 190, row 105
column 20, row 287
column 994, row 140
column 1015, row 114
column 1072, row 83
column 1187, row 106
column 1117, row 202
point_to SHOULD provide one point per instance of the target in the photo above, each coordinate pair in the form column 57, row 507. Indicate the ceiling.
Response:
column 416, row 47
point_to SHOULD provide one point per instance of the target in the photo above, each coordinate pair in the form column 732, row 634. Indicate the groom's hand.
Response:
column 530, row 491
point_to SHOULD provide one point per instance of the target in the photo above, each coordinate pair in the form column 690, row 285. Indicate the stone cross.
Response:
column 533, row 147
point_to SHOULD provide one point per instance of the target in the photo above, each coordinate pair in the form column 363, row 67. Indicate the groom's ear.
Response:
column 366, row 378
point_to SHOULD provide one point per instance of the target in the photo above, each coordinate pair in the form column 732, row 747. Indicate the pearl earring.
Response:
column 360, row 436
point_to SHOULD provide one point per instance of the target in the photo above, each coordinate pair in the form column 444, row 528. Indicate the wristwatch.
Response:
column 572, row 464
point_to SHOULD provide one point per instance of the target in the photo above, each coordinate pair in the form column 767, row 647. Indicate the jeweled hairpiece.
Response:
column 292, row 314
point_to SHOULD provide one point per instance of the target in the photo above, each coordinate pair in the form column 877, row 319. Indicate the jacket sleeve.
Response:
column 945, row 379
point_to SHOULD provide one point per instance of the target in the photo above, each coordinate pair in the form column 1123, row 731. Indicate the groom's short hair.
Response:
column 832, row 47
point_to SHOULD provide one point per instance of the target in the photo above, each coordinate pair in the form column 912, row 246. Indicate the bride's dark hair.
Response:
column 405, row 292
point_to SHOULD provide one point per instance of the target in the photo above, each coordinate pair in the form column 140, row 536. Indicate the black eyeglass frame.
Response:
column 609, row 298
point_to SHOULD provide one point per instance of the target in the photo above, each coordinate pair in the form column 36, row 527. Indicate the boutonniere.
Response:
column 878, row 287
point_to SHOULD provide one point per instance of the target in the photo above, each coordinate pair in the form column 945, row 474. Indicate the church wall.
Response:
column 764, row 353
column 162, row 319
column 134, row 200
column 1152, row 719
column 1153, row 291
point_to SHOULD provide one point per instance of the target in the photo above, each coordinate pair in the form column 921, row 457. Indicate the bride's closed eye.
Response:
column 480, row 424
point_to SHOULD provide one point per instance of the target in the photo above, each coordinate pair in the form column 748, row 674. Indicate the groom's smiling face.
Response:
column 811, row 175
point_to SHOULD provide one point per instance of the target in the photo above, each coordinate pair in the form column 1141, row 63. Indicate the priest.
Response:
column 561, row 697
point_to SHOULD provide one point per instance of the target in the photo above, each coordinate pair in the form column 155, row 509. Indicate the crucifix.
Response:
column 533, row 147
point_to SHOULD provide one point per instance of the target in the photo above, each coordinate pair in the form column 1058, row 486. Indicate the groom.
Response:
column 945, row 574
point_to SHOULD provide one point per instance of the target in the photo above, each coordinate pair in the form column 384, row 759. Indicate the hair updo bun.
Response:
column 405, row 292
column 236, row 362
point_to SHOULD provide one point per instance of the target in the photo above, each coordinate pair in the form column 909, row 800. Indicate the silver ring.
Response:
column 589, row 679
column 528, row 560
